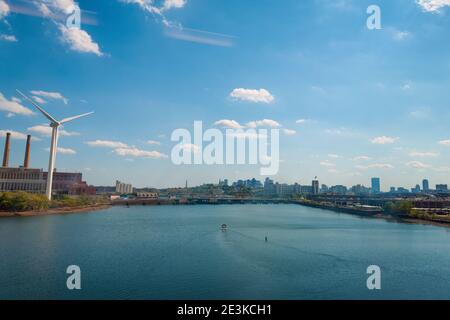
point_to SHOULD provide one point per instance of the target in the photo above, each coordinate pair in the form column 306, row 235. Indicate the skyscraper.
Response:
column 425, row 185
column 315, row 186
column 376, row 188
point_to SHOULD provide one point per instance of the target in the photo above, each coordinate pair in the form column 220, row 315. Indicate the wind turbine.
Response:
column 54, row 124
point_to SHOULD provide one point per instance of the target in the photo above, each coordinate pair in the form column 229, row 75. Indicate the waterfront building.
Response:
column 339, row 189
column 306, row 189
column 392, row 190
column 123, row 188
column 360, row 189
column 147, row 195
column 34, row 180
column 425, row 185
column 376, row 186
column 269, row 187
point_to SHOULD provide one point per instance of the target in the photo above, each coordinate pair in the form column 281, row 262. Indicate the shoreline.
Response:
column 100, row 207
column 63, row 210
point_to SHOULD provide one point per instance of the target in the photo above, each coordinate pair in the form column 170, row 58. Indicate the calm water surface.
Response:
column 179, row 252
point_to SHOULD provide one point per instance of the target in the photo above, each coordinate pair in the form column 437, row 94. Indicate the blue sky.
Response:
column 351, row 103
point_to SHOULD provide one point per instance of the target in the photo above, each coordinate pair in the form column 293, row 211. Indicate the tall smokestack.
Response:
column 6, row 153
column 26, row 161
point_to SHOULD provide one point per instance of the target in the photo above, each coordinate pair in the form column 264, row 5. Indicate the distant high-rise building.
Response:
column 376, row 187
column 441, row 188
column 315, row 186
column 269, row 187
column 425, row 185
column 416, row 189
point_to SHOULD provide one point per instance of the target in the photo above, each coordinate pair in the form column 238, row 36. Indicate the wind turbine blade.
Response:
column 75, row 117
column 49, row 117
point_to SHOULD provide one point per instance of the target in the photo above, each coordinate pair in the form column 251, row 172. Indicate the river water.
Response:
column 180, row 252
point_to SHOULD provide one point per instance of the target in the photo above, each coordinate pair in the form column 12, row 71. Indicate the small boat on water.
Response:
column 224, row 227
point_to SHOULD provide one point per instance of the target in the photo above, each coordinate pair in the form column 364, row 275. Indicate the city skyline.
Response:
column 350, row 103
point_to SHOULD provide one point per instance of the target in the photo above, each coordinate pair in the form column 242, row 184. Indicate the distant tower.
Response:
column 425, row 185
column 376, row 186
column 6, row 152
column 186, row 185
column 26, row 161
column 315, row 186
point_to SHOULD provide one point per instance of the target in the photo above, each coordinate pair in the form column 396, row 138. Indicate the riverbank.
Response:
column 61, row 210
column 378, row 215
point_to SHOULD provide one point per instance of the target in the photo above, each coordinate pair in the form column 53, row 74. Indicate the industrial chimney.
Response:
column 6, row 153
column 26, row 161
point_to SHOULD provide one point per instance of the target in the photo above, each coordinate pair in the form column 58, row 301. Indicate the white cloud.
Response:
column 252, row 95
column 8, row 38
column 137, row 153
column 4, row 9
column 49, row 95
column 169, row 4
column 263, row 123
column 107, row 144
column 401, row 35
column 302, row 121
column 63, row 150
column 362, row 158
column 407, row 86
column 65, row 6
column 79, row 40
column 39, row 100
column 376, row 166
column 343, row 132
column 433, row 5
column 230, row 124
column 289, row 132
column 423, row 154
column 13, row 106
column 383, row 140
column 333, row 156
column 445, row 142
column 144, row 4
column 327, row 163
column 417, row 165
column 14, row 134
column 46, row 131
column 154, row 142
column 198, row 36
column 43, row 9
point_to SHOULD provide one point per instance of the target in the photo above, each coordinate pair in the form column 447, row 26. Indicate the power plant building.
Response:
column 33, row 180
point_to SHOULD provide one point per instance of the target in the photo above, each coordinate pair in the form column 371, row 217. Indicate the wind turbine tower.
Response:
column 54, row 124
